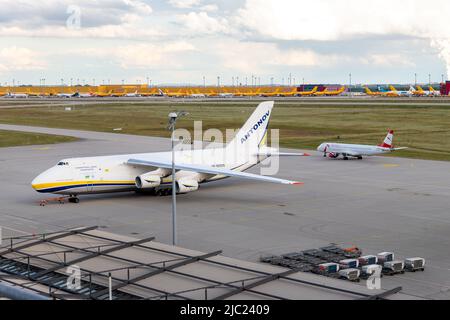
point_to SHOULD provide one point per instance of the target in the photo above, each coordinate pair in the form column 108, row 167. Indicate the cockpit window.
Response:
column 62, row 163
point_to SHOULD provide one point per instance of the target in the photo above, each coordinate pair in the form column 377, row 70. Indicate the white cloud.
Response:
column 101, row 18
column 260, row 57
column 264, row 57
column 443, row 45
column 387, row 60
column 125, row 31
column 148, row 55
column 330, row 20
column 336, row 20
column 15, row 59
column 197, row 23
column 209, row 8
column 159, row 55
column 184, row 4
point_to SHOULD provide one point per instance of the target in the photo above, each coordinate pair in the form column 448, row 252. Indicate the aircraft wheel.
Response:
column 346, row 158
column 74, row 200
column 360, row 158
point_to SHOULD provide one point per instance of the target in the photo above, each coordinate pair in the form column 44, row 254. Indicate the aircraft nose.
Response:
column 38, row 183
column 320, row 148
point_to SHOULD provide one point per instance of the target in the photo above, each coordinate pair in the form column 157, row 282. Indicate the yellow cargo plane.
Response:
column 308, row 93
column 104, row 94
column 330, row 93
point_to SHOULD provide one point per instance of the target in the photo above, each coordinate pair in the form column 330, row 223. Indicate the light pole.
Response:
column 350, row 85
column 173, row 116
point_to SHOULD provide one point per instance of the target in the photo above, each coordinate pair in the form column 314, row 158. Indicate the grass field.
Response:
column 425, row 129
column 14, row 138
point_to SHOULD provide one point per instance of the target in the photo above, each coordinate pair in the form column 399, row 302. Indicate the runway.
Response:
column 379, row 204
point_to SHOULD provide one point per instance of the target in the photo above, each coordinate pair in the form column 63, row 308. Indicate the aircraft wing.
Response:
column 209, row 170
column 283, row 154
column 398, row 149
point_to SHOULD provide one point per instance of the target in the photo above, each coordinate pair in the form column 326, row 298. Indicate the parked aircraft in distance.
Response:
column 330, row 93
column 308, row 93
column 402, row 93
column 152, row 172
column 132, row 94
column 334, row 150
column 16, row 95
column 431, row 92
column 392, row 93
column 84, row 95
column 65, row 95
column 372, row 93
column 103, row 94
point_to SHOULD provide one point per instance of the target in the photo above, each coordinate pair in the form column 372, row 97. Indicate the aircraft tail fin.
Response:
column 252, row 136
column 388, row 141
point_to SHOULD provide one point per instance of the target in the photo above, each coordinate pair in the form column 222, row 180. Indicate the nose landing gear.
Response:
column 60, row 200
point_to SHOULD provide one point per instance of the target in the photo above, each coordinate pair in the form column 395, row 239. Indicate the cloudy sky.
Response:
column 182, row 41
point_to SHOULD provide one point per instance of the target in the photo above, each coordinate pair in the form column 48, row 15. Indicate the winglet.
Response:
column 297, row 183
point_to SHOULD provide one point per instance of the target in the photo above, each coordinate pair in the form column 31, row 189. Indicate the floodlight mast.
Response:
column 173, row 117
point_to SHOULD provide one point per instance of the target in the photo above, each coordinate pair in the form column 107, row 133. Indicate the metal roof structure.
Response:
column 118, row 267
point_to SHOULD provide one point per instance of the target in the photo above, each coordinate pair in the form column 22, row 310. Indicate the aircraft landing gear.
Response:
column 74, row 199
column 360, row 158
column 345, row 158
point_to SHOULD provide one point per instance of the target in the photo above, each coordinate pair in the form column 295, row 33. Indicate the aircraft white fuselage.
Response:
column 153, row 171
column 334, row 150
column 132, row 95
column 84, row 95
column 352, row 149
column 113, row 174
column 17, row 95
column 64, row 95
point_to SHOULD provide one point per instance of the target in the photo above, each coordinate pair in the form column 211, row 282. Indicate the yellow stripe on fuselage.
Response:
column 51, row 185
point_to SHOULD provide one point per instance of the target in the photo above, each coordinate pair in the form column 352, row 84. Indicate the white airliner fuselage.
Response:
column 65, row 95
column 152, row 172
column 17, row 95
column 334, row 150
column 113, row 174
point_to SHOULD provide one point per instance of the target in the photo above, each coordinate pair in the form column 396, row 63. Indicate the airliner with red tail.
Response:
column 334, row 150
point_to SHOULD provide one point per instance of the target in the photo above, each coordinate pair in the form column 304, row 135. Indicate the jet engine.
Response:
column 148, row 181
column 187, row 185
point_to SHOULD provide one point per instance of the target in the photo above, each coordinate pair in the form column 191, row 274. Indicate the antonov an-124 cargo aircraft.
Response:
column 152, row 172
